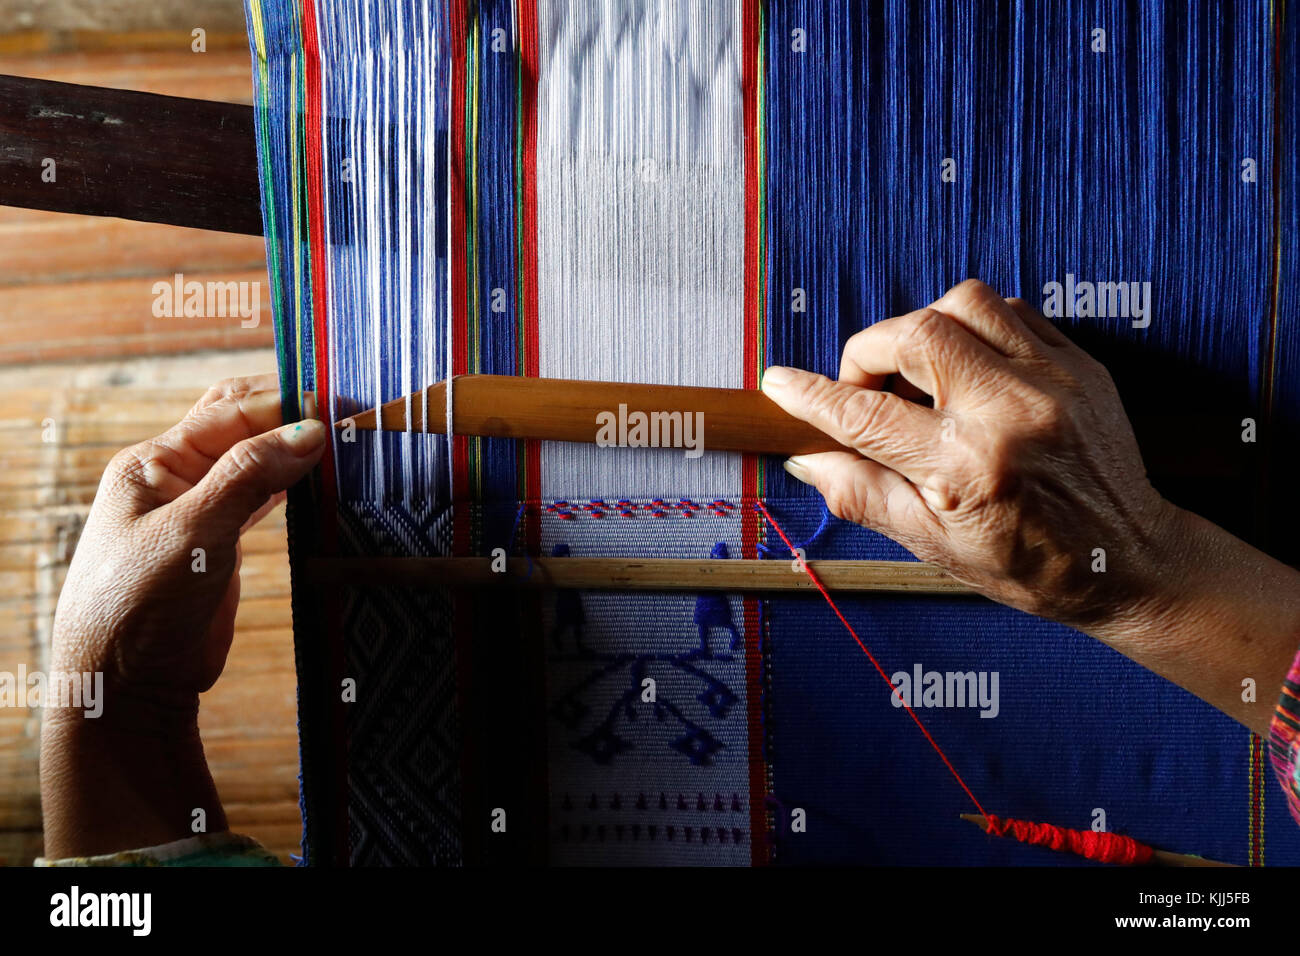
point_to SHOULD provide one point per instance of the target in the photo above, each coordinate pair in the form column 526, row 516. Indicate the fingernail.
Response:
column 776, row 376
column 303, row 437
column 797, row 468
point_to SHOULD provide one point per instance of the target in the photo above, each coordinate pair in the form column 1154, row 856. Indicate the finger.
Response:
column 158, row 471
column 213, row 427
column 854, row 373
column 851, row 374
column 1037, row 323
column 867, row 493
column 880, row 425
column 246, row 476
column 928, row 348
column 240, row 385
column 986, row 315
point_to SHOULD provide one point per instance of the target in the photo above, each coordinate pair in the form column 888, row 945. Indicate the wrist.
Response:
column 111, row 706
column 112, row 785
column 1213, row 614
column 126, row 773
column 1161, row 579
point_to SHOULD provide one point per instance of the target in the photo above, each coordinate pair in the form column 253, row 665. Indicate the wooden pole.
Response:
column 510, row 406
column 636, row 574
column 102, row 152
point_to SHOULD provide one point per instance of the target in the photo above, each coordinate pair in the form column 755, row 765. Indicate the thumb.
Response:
column 879, row 425
column 241, row 480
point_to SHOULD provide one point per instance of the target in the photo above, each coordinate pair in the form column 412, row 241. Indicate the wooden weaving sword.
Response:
column 553, row 409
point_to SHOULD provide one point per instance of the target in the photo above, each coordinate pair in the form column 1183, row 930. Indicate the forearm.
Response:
column 1219, row 612
column 132, row 778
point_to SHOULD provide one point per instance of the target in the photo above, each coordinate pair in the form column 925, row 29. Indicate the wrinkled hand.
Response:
column 152, row 590
column 1023, row 466
column 149, row 603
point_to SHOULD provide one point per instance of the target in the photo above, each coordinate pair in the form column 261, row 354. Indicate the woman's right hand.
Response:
column 1021, row 477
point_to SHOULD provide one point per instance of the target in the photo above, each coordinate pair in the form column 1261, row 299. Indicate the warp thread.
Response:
column 514, row 530
column 640, row 205
column 1101, row 847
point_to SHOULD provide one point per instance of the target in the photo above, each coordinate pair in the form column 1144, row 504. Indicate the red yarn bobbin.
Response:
column 1102, row 847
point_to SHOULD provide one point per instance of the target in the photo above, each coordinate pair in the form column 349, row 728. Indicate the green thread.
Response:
column 297, row 198
column 272, row 238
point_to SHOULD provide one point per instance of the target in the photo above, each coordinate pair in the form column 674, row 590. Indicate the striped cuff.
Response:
column 1284, row 738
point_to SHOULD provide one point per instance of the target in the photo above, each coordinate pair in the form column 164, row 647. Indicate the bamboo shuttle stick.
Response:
column 637, row 574
column 552, row 409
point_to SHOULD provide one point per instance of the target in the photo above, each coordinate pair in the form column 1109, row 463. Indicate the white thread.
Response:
column 640, row 179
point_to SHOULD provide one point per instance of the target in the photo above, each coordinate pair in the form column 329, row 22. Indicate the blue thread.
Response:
column 514, row 528
column 603, row 743
column 510, row 542
column 773, row 550
column 713, row 610
column 568, row 610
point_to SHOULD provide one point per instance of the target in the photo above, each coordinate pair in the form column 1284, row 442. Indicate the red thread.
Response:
column 880, row 670
column 313, row 114
column 752, row 360
column 1101, row 847
column 529, row 71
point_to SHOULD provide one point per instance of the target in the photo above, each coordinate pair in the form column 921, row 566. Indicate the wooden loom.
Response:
column 107, row 146
column 107, row 141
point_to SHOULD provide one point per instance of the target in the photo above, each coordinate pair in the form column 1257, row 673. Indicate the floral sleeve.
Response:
column 1284, row 738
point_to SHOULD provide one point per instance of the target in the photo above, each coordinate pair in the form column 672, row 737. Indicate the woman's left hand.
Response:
column 149, row 607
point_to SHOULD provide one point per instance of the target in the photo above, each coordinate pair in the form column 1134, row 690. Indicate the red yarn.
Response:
column 865, row 650
column 1102, row 847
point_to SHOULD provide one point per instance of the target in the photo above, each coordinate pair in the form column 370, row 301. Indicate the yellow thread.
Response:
column 295, row 218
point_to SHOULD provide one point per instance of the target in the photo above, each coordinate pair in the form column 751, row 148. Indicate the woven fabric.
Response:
column 684, row 193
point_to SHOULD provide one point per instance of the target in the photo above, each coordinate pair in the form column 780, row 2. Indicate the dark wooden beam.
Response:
column 126, row 154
